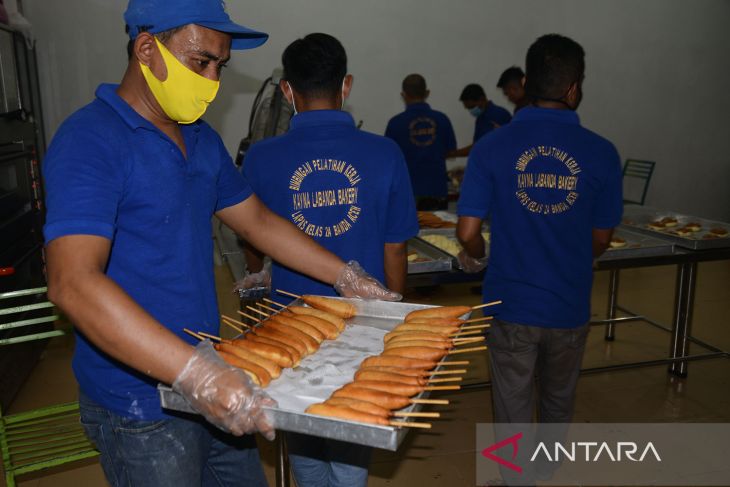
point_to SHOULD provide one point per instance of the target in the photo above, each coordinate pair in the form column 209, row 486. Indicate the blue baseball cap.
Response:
column 156, row 16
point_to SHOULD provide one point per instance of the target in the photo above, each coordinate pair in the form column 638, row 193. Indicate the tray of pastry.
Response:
column 334, row 365
column 627, row 244
column 424, row 258
column 444, row 239
column 684, row 230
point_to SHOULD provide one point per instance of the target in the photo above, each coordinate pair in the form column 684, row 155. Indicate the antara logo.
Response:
column 592, row 451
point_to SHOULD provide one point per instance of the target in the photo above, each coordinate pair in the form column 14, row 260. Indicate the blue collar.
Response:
column 107, row 92
column 546, row 114
column 418, row 106
column 314, row 118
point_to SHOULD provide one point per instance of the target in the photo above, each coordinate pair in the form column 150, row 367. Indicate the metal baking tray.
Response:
column 437, row 259
column 451, row 234
column 637, row 218
column 637, row 245
column 374, row 318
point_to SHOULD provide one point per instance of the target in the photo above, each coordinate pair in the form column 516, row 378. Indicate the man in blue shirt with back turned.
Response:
column 553, row 191
column 425, row 136
column 489, row 116
column 346, row 188
column 133, row 180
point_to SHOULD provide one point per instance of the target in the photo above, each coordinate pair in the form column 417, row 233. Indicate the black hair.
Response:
column 510, row 75
column 315, row 65
column 554, row 62
column 472, row 92
column 414, row 85
column 163, row 36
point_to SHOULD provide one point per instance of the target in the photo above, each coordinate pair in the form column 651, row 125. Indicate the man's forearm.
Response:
column 254, row 258
column 468, row 232
column 463, row 152
column 396, row 266
column 281, row 240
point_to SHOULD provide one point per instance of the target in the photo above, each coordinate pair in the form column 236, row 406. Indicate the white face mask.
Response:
column 293, row 103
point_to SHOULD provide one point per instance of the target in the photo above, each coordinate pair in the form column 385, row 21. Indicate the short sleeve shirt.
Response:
column 425, row 136
column 546, row 183
column 347, row 189
column 112, row 174
column 491, row 118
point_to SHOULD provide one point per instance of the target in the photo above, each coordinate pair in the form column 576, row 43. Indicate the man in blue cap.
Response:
column 132, row 182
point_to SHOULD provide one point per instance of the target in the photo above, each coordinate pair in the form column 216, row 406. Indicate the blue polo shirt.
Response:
column 346, row 188
column 546, row 182
column 111, row 173
column 491, row 118
column 425, row 136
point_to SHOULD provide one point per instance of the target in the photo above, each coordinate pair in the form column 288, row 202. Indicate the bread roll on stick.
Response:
column 432, row 342
column 388, row 386
column 409, row 363
column 439, row 312
column 371, row 375
column 271, row 367
column 329, row 330
column 267, row 332
column 414, row 335
column 303, row 310
column 336, row 307
column 309, row 342
column 412, row 372
column 300, row 325
column 257, row 374
column 345, row 413
column 358, row 405
column 441, row 329
column 423, row 353
column 437, row 321
column 278, row 355
column 385, row 399
column 417, row 343
column 296, row 356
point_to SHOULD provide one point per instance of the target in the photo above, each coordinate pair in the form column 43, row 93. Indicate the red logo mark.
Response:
column 487, row 452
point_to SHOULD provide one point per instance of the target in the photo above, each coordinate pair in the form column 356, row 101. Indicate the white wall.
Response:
column 656, row 84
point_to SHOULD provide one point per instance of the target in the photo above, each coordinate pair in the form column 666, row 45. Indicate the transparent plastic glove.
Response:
column 260, row 279
column 469, row 264
column 223, row 394
column 354, row 282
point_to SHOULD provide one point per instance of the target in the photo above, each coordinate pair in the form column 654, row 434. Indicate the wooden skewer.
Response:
column 236, row 322
column 238, row 329
column 404, row 424
column 446, row 372
column 445, row 379
column 274, row 302
column 208, row 335
column 245, row 315
column 405, row 414
column 429, row 401
column 286, row 293
column 476, row 327
column 483, row 318
column 462, row 341
column 191, row 332
column 267, row 308
column 442, row 388
column 466, row 333
column 499, row 301
column 454, row 362
column 257, row 311
column 466, row 350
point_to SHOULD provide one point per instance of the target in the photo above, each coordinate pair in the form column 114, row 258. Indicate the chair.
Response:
column 637, row 175
column 48, row 436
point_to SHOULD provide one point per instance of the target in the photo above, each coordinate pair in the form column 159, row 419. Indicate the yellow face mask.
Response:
column 184, row 95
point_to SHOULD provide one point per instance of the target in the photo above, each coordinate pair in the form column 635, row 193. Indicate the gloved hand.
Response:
column 354, row 282
column 469, row 264
column 254, row 280
column 223, row 394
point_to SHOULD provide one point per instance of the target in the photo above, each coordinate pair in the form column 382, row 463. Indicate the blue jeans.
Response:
column 319, row 462
column 175, row 452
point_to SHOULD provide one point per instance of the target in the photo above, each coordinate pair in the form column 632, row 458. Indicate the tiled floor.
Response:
column 445, row 455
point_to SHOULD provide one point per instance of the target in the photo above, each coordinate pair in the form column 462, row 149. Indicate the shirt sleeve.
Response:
column 609, row 202
column 232, row 186
column 477, row 186
column 84, row 175
column 402, row 220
